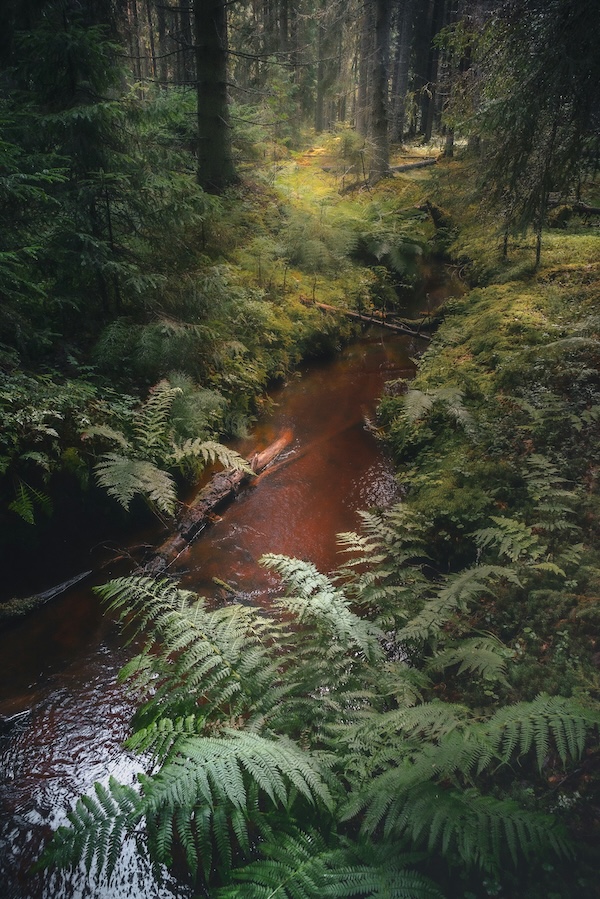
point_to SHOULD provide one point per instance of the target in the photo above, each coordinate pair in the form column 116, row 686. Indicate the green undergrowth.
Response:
column 218, row 303
column 497, row 447
column 423, row 721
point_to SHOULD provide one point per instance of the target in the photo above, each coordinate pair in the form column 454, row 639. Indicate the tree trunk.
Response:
column 380, row 159
column 365, row 67
column 320, row 89
column 406, row 20
column 215, row 163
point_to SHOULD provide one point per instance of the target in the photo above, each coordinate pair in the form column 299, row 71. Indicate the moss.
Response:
column 522, row 350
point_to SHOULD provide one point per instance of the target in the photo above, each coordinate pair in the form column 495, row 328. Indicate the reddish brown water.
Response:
column 58, row 666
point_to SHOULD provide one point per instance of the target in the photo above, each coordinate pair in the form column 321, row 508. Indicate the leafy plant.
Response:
column 288, row 744
column 153, row 447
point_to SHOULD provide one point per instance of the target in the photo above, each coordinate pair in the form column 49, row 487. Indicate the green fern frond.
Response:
column 484, row 656
column 26, row 501
column 97, row 829
column 512, row 539
column 207, row 452
column 217, row 662
column 293, row 867
column 485, row 832
column 417, row 404
column 537, row 724
column 299, row 865
column 107, row 433
column 125, row 478
column 217, row 773
column 311, row 597
column 456, row 594
column 151, row 425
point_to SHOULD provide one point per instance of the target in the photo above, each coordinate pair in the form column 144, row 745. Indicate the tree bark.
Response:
column 406, row 20
column 380, row 159
column 365, row 57
column 215, row 163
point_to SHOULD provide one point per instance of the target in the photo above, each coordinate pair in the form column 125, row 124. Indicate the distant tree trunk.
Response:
column 430, row 99
column 134, row 38
column 365, row 60
column 188, row 61
column 406, row 21
column 215, row 163
column 449, row 143
column 284, row 43
column 151, row 39
column 380, row 159
column 161, row 24
column 320, row 90
column 420, row 75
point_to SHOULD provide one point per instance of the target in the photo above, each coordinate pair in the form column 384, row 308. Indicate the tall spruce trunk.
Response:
column 365, row 67
column 380, row 157
column 215, row 163
column 406, row 20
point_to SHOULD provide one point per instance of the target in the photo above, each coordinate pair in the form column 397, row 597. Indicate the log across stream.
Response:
column 63, row 717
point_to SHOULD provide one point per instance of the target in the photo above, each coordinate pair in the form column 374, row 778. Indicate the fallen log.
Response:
column 17, row 608
column 421, row 164
column 369, row 319
column 223, row 486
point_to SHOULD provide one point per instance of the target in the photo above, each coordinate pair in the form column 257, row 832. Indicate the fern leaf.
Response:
column 107, row 433
column 457, row 593
column 312, row 597
column 485, row 656
column 525, row 725
column 217, row 773
column 417, row 405
column 97, row 829
column 125, row 478
column 210, row 451
column 27, row 499
column 151, row 425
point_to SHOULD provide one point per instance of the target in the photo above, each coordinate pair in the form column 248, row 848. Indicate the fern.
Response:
column 125, row 478
column 217, row 660
column 26, row 501
column 385, row 577
column 456, row 594
column 98, row 828
column 512, row 539
column 301, row 866
column 204, row 791
column 313, row 599
column 484, row 656
column 418, row 404
column 415, row 794
column 536, row 724
column 483, row 831
column 152, row 422
column 142, row 467
column 208, row 451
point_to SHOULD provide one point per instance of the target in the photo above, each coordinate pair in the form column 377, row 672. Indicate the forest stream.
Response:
column 65, row 717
